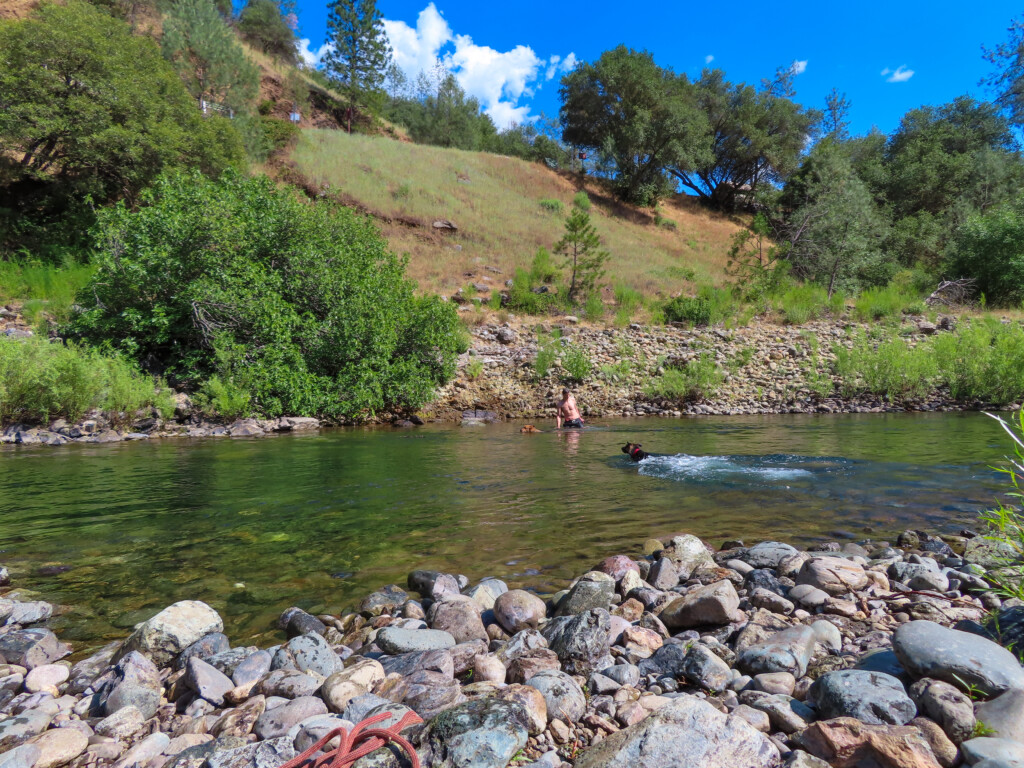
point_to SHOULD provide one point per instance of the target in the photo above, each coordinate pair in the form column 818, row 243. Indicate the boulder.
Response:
column 17, row 729
column 580, row 642
column 276, row 722
column 563, row 698
column 617, row 566
column 205, row 647
column 687, row 553
column 663, row 574
column 586, row 595
column 526, row 665
column 289, row 684
column 1003, row 751
column 136, row 683
column 482, row 733
column 685, row 732
column 252, row 668
column 871, row 697
column 263, row 754
column 171, row 631
column 848, row 743
column 395, row 640
column 487, row 592
column 207, row 681
column 1004, row 715
column 708, row 605
column 533, row 704
column 459, row 616
column 32, row 648
column 947, row 706
column 309, row 653
column 927, row 649
column 787, row 651
column 767, row 554
column 59, row 747
column 833, row 575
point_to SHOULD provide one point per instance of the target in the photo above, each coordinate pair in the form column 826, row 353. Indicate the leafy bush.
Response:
column 893, row 300
column 982, row 361
column 628, row 298
column 41, row 381
column 544, row 270
column 552, row 206
column 54, row 285
column 890, row 369
column 581, row 200
column 474, row 369
column 802, row 303
column 299, row 304
column 278, row 134
column 696, row 381
column 990, row 248
column 522, row 298
column 710, row 305
column 262, row 24
column 576, row 364
column 547, row 353
column 593, row 308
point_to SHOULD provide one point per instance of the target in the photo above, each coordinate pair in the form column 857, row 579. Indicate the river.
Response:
column 253, row 526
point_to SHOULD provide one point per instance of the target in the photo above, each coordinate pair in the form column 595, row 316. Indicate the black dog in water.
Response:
column 633, row 451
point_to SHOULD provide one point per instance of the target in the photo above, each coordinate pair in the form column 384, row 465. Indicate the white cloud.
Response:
column 798, row 67
column 309, row 56
column 708, row 59
column 900, row 75
column 499, row 79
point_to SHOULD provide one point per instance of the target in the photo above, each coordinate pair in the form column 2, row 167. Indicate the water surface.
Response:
column 255, row 525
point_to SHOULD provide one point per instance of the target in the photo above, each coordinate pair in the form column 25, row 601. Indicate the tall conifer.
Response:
column 360, row 55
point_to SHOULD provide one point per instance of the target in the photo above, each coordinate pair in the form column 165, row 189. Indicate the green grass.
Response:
column 893, row 301
column 41, row 381
column 552, row 206
column 890, row 369
column 576, row 364
column 710, row 306
column 698, row 380
column 43, row 287
column 803, row 303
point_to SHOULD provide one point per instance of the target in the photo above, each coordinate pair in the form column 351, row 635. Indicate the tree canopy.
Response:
column 263, row 24
column 361, row 54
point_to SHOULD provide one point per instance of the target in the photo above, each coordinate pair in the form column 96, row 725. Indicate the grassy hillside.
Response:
column 495, row 203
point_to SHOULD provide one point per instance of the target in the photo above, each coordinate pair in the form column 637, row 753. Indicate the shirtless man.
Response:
column 568, row 414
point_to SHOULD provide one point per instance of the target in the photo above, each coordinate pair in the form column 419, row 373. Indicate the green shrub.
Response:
column 522, row 298
column 301, row 304
column 809, row 301
column 1006, row 524
column 224, row 398
column 474, row 369
column 543, row 270
column 547, row 353
column 552, row 206
column 41, row 381
column 581, row 200
column 990, row 249
column 889, row 369
column 628, row 299
column 593, row 308
column 894, row 301
column 982, row 360
column 696, row 381
column 279, row 134
column 576, row 364
column 710, row 305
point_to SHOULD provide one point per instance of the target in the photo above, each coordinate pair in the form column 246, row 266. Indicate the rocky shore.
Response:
column 897, row 654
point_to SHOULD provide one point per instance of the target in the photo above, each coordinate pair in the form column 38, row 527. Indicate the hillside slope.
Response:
column 495, row 203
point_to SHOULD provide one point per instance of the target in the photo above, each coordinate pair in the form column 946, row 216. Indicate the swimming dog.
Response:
column 633, row 450
column 529, row 429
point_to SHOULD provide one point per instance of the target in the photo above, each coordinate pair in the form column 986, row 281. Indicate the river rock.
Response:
column 1004, row 715
column 1004, row 751
column 337, row 692
column 24, row 756
column 288, row 684
column 663, row 574
column 459, row 616
column 586, row 595
column 308, row 653
column 395, row 640
column 31, row 648
column 171, row 631
column 487, row 592
column 296, row 622
column 845, row 742
column 386, row 600
column 833, row 575
column 708, row 605
column 947, row 706
column 685, row 732
column 927, row 649
column 532, row 702
column 279, row 720
column 46, row 677
column 1007, row 627
column 580, row 642
column 264, row 754
column 59, row 747
column 407, row 664
column 871, row 697
column 488, row 668
column 208, row 681
column 312, row 729
column 368, row 705
column 137, row 683
column 121, row 725
column 19, row 728
column 518, row 609
column 520, row 643
column 88, row 669
column 29, row 612
column 787, row 651
column 228, row 661
column 767, row 554
column 667, row 661
column 205, row 647
column 563, row 698
column 483, row 733
column 808, row 596
column 617, row 566
column 527, row 664
column 989, row 553
column 148, row 748
column 702, row 667
column 687, row 554
column 252, row 668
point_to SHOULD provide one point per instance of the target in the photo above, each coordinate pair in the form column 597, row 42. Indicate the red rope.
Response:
column 372, row 738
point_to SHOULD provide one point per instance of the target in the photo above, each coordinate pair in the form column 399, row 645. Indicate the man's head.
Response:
column 565, row 392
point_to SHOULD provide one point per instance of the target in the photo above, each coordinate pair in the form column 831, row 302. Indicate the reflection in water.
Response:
column 253, row 526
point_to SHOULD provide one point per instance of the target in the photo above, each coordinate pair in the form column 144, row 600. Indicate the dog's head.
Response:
column 629, row 448
column 529, row 428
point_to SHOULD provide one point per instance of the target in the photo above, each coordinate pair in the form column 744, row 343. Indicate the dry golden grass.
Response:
column 494, row 201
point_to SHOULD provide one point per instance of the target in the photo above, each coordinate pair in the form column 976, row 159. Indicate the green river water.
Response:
column 253, row 526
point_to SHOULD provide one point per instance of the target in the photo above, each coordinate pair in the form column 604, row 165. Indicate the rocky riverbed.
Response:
column 884, row 653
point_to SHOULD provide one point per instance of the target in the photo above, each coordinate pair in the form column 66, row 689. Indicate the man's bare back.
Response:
column 568, row 413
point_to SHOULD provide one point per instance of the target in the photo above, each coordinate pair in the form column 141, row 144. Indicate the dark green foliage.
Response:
column 1007, row 80
column 278, row 134
column 710, row 306
column 697, row 380
column 584, row 257
column 990, row 248
column 642, row 117
column 301, row 305
column 361, row 55
column 86, row 108
column 207, row 55
column 449, row 118
column 263, row 25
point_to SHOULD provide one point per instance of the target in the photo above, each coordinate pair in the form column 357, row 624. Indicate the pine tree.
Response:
column 584, row 256
column 361, row 53
column 207, row 55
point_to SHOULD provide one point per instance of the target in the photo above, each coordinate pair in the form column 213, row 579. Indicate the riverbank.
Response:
column 882, row 652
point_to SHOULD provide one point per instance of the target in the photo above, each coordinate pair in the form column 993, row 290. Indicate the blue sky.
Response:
column 887, row 57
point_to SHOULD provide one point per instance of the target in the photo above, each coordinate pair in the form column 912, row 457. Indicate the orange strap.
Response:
column 372, row 738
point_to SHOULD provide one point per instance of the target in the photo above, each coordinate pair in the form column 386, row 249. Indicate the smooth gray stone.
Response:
column 251, row 668
column 264, row 754
column 208, row 681
column 482, row 733
column 564, row 698
column 24, row 756
column 871, row 697
column 767, row 554
column 18, row 729
column 787, row 651
column 1004, row 714
column 278, row 721
column 988, row 748
column 395, row 640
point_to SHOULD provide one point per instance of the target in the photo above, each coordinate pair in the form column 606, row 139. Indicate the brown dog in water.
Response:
column 634, row 452
column 529, row 429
